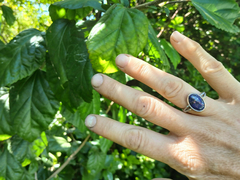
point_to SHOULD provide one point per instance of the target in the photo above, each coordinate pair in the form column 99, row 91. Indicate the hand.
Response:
column 201, row 145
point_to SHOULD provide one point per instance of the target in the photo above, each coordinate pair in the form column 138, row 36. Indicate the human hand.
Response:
column 201, row 145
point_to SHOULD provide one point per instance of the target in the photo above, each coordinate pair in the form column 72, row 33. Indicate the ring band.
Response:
column 195, row 102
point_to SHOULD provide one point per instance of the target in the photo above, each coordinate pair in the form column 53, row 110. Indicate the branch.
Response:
column 70, row 158
column 156, row 2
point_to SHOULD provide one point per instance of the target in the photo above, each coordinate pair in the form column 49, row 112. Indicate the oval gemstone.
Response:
column 196, row 102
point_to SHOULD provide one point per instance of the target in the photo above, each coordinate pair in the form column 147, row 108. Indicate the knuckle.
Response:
column 212, row 67
column 193, row 47
column 144, row 106
column 135, row 139
column 141, row 69
column 172, row 88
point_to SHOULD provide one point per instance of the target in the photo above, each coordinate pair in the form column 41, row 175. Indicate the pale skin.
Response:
column 201, row 145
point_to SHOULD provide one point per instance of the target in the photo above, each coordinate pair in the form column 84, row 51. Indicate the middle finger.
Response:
column 142, row 104
column 172, row 88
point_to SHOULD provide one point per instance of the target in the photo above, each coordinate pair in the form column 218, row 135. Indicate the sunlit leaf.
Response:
column 22, row 56
column 58, row 144
column 220, row 13
column 120, row 30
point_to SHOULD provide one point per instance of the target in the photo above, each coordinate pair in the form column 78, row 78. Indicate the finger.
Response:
column 141, row 103
column 212, row 70
column 138, row 139
column 172, row 88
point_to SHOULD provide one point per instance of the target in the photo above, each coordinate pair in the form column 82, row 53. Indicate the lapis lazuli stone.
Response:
column 196, row 102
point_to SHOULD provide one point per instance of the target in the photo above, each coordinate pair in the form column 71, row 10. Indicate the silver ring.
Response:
column 195, row 102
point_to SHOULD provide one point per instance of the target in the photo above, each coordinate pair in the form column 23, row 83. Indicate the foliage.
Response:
column 46, row 65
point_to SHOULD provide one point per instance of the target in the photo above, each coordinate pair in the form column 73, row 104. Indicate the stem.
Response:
column 173, row 16
column 70, row 158
column 156, row 2
column 109, row 107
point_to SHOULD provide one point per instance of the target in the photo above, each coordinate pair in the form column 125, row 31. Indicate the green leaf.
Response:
column 96, row 160
column 120, row 30
column 105, row 144
column 8, row 15
column 154, row 50
column 125, row 3
column 30, row 114
column 25, row 152
column 57, row 12
column 4, row 137
column 19, row 148
column 10, row 168
column 70, row 70
column 22, row 56
column 107, row 175
column 220, row 13
column 33, row 167
column 171, row 52
column 76, row 4
column 78, row 118
column 38, row 146
column 6, row 123
column 122, row 114
column 58, row 144
column 2, row 45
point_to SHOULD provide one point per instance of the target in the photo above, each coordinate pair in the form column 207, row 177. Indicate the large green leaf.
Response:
column 220, row 13
column 70, row 70
column 76, row 4
column 154, row 50
column 32, row 106
column 8, row 15
column 96, row 160
column 22, row 56
column 10, row 168
column 5, row 122
column 120, row 30
column 78, row 118
column 171, row 52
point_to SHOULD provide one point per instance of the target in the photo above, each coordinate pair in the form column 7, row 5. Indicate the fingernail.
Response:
column 122, row 60
column 97, row 80
column 90, row 121
column 177, row 36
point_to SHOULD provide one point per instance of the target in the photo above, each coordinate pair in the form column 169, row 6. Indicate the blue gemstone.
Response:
column 196, row 102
